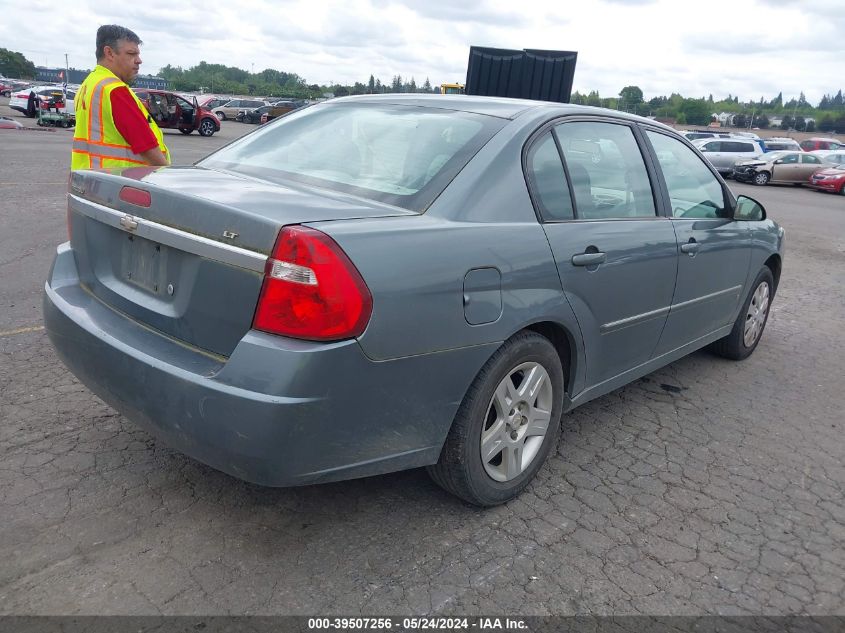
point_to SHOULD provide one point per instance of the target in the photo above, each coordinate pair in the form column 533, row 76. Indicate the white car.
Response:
column 20, row 98
column 723, row 153
column 830, row 156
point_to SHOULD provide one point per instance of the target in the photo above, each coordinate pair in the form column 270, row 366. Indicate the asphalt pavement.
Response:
column 708, row 487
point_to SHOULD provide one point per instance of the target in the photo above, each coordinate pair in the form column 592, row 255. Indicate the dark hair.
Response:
column 110, row 35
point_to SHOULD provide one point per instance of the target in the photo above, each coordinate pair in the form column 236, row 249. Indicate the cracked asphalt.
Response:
column 708, row 487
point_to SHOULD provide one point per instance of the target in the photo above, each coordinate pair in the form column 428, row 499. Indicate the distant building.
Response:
column 74, row 76
column 55, row 75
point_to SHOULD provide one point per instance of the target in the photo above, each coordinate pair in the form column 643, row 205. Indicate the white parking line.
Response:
column 21, row 330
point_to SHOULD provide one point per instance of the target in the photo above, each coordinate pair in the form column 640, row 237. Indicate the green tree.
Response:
column 630, row 97
column 696, row 111
column 825, row 123
column 593, row 99
column 427, row 86
column 811, row 126
column 371, row 85
column 14, row 64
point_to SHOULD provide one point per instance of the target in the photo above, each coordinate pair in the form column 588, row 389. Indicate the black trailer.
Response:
column 524, row 74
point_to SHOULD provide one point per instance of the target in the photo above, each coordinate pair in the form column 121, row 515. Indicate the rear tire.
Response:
column 749, row 325
column 511, row 412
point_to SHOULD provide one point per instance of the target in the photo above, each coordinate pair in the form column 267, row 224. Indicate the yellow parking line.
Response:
column 22, row 330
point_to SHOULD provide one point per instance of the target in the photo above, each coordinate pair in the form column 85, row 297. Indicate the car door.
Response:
column 787, row 169
column 615, row 255
column 186, row 113
column 712, row 150
column 809, row 165
column 713, row 249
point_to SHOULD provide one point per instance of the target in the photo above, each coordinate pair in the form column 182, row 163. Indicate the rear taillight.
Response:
column 312, row 290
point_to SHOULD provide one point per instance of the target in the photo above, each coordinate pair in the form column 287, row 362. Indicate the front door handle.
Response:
column 589, row 259
column 690, row 247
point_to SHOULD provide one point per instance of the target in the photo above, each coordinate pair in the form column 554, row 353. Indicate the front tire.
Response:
column 749, row 325
column 506, row 425
column 221, row 115
column 207, row 127
column 761, row 178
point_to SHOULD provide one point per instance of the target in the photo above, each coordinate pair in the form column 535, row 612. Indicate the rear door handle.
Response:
column 690, row 247
column 589, row 259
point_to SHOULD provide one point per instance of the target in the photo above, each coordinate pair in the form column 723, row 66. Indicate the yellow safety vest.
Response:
column 97, row 144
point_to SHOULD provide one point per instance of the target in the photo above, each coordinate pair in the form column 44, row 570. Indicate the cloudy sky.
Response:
column 749, row 48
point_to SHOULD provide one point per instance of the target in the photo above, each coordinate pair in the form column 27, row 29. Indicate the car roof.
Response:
column 502, row 107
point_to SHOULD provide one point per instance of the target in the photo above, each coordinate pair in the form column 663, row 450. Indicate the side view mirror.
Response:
column 778, row 161
column 749, row 210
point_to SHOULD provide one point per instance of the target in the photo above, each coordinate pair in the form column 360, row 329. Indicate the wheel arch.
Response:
column 564, row 343
column 774, row 264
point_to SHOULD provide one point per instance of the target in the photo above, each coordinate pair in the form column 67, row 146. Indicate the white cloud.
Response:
column 738, row 48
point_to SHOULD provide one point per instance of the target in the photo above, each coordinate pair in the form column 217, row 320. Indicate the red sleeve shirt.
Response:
column 131, row 122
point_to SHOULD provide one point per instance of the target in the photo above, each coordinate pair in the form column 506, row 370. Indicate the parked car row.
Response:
column 799, row 168
column 8, row 86
column 270, row 112
column 774, row 159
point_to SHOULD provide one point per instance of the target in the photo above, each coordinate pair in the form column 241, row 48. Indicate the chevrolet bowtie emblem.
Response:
column 128, row 222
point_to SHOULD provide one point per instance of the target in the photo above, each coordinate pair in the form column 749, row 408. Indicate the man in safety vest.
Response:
column 113, row 128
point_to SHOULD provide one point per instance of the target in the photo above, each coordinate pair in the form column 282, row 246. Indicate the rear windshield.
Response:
column 399, row 155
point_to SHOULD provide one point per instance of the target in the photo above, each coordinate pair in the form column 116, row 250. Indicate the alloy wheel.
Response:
column 517, row 420
column 755, row 318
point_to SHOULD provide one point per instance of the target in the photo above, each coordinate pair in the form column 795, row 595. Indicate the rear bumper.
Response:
column 278, row 411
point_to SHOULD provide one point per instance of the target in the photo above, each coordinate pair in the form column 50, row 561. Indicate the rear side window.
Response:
column 399, row 155
column 810, row 159
column 606, row 170
column 548, row 181
column 694, row 191
column 737, row 146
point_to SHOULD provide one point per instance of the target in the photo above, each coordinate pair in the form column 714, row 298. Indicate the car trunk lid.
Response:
column 183, row 250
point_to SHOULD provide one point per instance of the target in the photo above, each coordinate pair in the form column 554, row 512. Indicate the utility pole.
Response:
column 64, row 83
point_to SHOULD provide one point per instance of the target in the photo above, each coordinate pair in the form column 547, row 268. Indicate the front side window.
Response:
column 714, row 146
column 694, row 191
column 606, row 171
column 789, row 159
column 399, row 155
column 548, row 180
